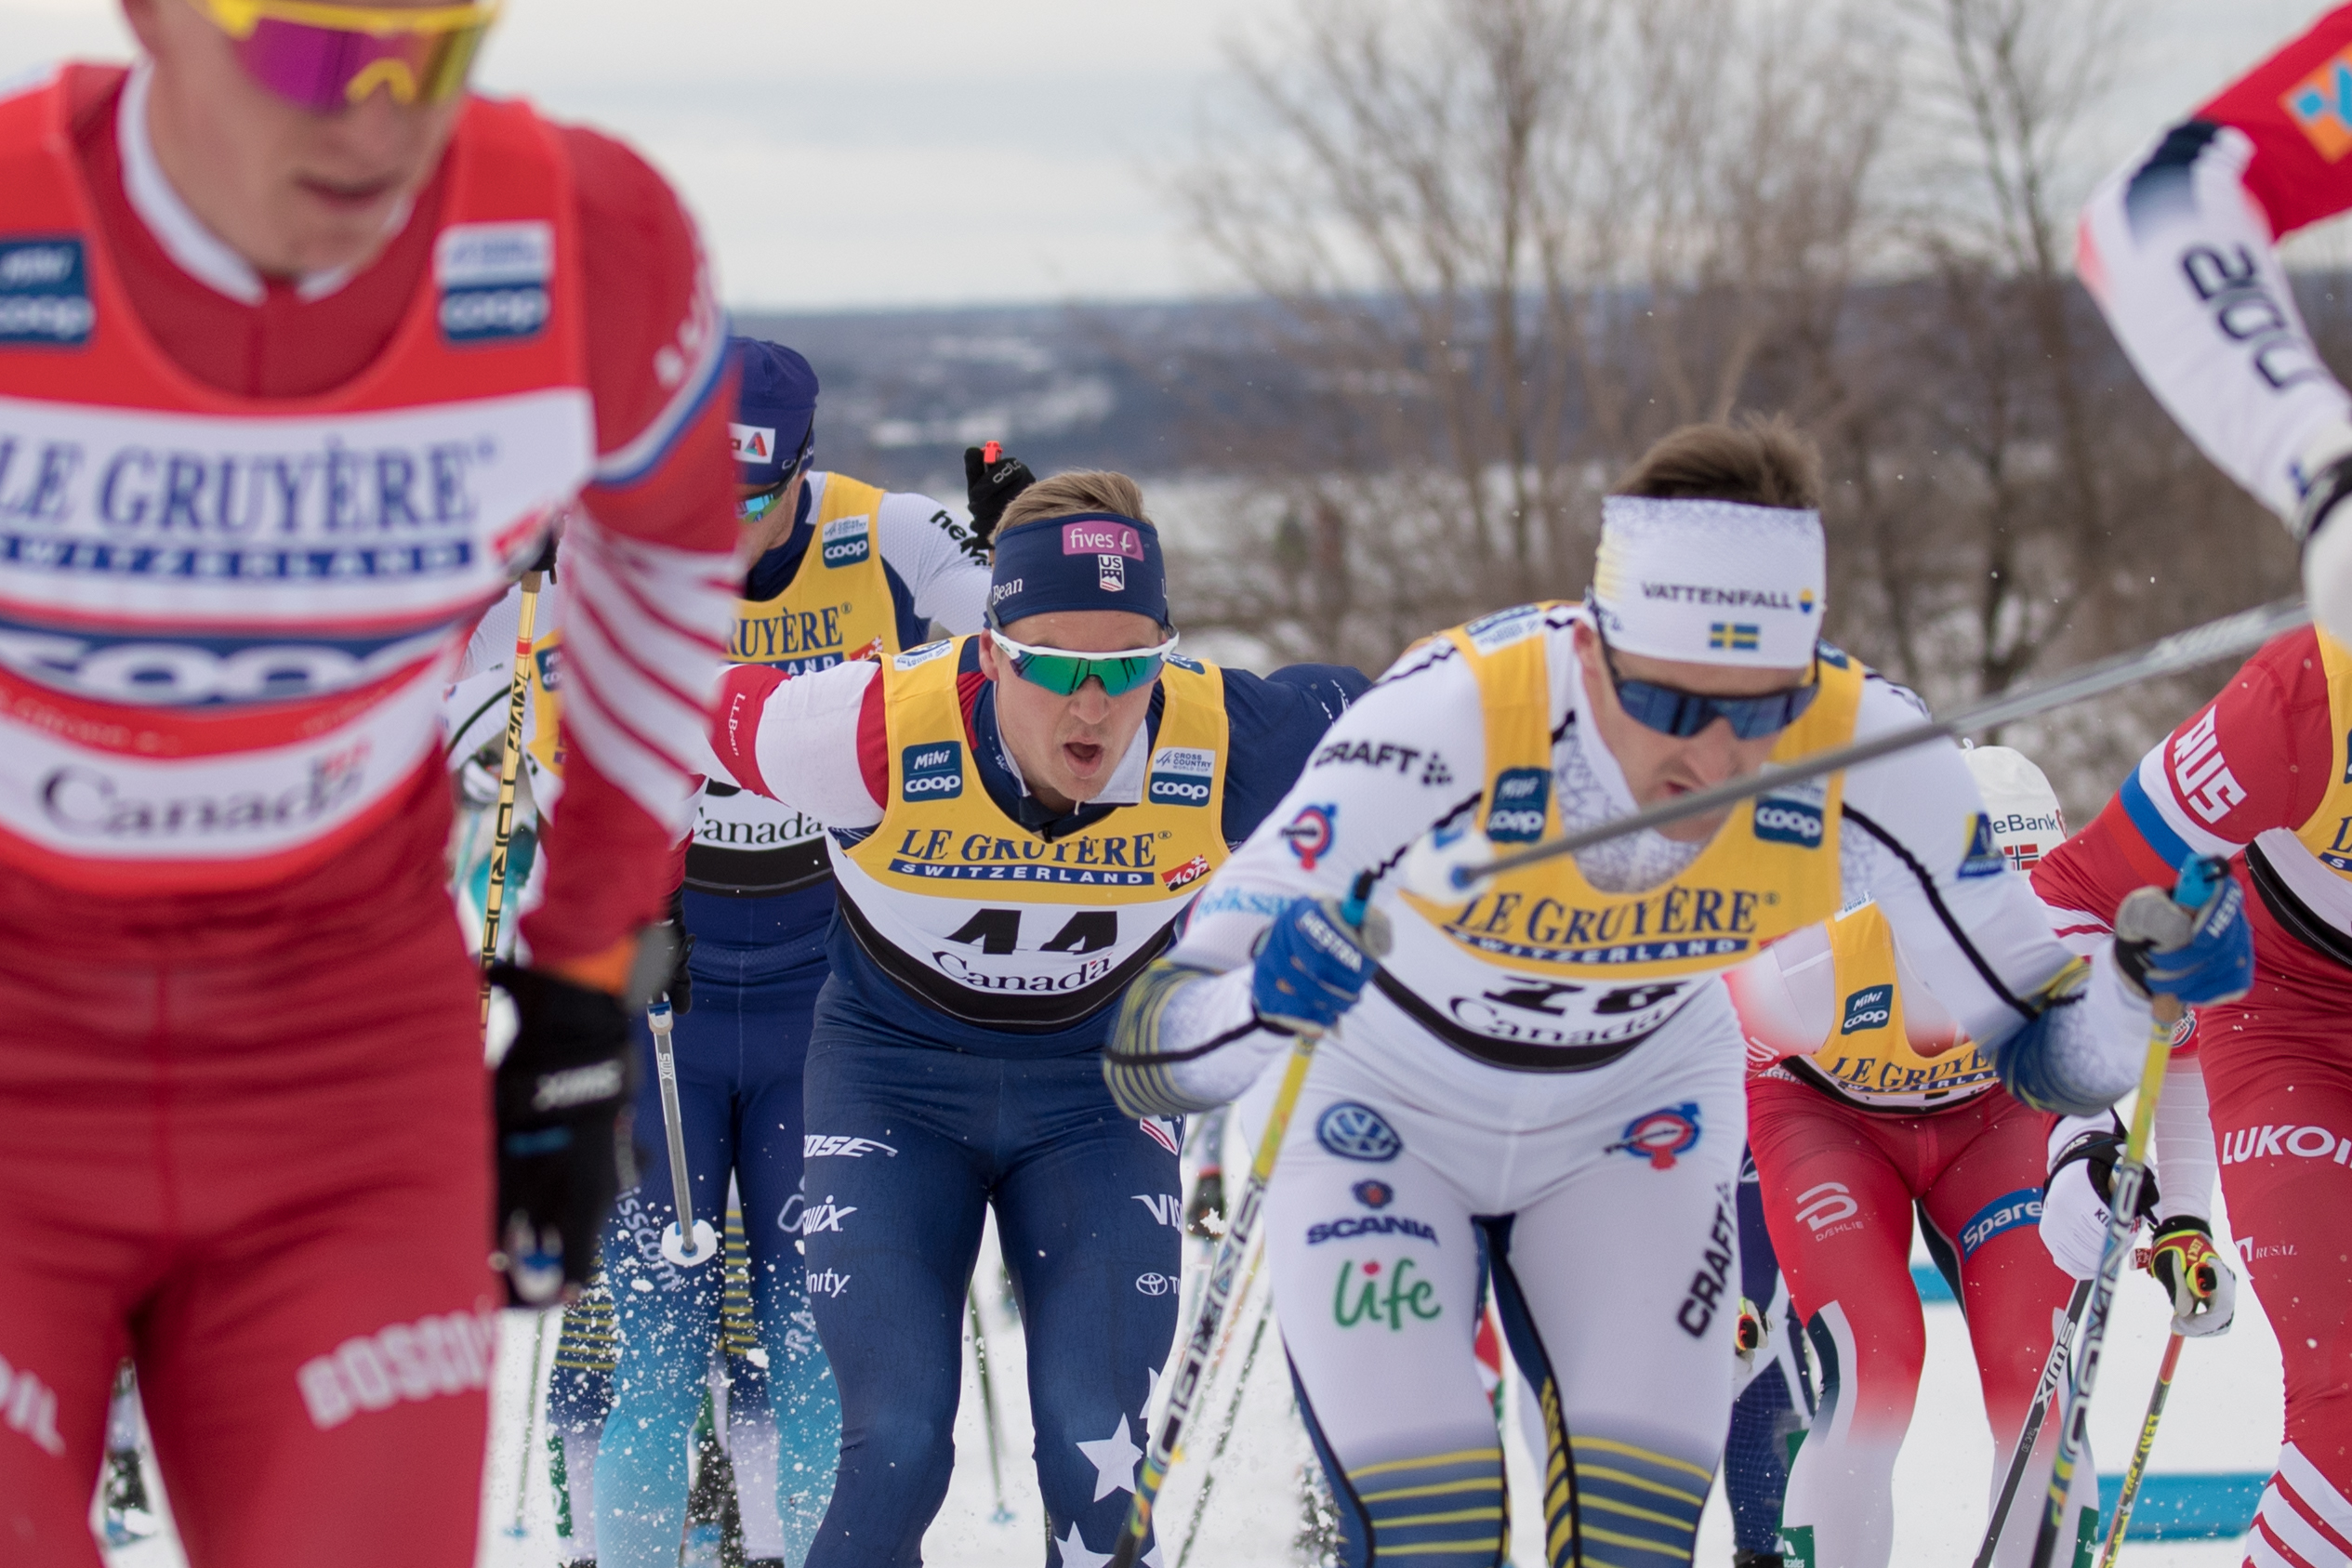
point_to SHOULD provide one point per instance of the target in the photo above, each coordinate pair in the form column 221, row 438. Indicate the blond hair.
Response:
column 1078, row 489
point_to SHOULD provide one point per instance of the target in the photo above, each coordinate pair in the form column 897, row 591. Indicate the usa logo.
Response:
column 1661, row 1137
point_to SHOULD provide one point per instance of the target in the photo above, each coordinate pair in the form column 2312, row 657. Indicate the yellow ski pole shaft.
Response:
column 493, row 902
column 2139, row 1455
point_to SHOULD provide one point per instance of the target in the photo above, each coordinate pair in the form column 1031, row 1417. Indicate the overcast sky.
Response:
column 934, row 152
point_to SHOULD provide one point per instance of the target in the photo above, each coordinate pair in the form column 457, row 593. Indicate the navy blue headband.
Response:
column 1089, row 560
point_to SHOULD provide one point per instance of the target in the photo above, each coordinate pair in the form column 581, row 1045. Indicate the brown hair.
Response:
column 1763, row 462
column 1078, row 490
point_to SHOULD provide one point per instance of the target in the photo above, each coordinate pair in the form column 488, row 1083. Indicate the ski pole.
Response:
column 686, row 1241
column 2197, row 880
column 2139, row 1455
column 987, row 1404
column 509, row 769
column 2053, row 1368
column 1224, row 1436
column 2183, row 650
column 1231, row 1247
column 530, row 1424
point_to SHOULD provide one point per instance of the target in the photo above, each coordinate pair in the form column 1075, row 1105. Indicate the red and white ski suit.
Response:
column 244, row 528
column 2261, row 773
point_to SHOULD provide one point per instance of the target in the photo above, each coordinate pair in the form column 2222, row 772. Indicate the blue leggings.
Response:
column 1087, row 1208
column 739, row 1055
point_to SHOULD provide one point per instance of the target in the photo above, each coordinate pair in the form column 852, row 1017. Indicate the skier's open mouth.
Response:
column 1084, row 756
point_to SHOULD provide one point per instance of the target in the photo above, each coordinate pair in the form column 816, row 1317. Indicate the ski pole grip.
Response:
column 1360, row 898
column 2198, row 876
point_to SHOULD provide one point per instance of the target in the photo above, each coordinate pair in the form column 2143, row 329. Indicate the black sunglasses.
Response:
column 1670, row 710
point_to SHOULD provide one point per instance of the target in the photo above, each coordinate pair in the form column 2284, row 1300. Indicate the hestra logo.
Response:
column 1870, row 1008
column 933, row 771
column 1522, row 795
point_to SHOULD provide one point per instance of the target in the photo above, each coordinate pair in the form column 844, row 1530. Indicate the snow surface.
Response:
column 2224, row 1414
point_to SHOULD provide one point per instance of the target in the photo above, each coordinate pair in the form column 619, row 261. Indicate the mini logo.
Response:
column 45, row 292
column 1733, row 636
column 1356, row 1132
column 1181, row 775
column 1374, row 1194
column 1187, row 874
column 931, row 772
column 494, row 280
column 848, row 540
column 1661, row 1135
column 1870, row 1008
column 1110, row 574
column 751, row 443
column 1983, row 858
column 1310, row 832
column 1522, row 795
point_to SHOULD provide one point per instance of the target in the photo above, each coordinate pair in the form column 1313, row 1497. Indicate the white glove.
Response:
column 2074, row 1215
column 2203, row 1289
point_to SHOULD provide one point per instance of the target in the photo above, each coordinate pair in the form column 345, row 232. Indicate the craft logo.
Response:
column 1983, row 858
column 1792, row 816
column 1181, row 775
column 44, row 293
column 1661, row 1135
column 2007, row 1212
column 1870, row 1008
column 1733, row 637
column 494, row 280
column 1187, row 874
column 1308, row 834
column 751, row 443
column 931, row 772
column 848, row 540
column 1356, row 1132
column 1521, row 797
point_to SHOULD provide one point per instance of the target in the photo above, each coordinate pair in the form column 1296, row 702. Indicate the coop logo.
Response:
column 1181, row 776
column 44, row 295
column 2273, row 1142
column 1661, row 1135
column 2003, row 1214
column 403, row 1361
column 931, row 772
column 848, row 540
column 1356, row 1132
column 1870, row 1008
column 1521, row 797
column 1308, row 834
column 494, row 280
column 1792, row 816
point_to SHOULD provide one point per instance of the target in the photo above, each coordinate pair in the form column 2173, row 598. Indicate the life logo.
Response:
column 493, row 279
column 931, row 772
column 1792, row 816
column 1181, row 776
column 45, row 292
column 1661, row 1137
column 848, row 540
column 1308, row 834
column 1870, row 1008
column 1356, row 1132
column 1522, row 799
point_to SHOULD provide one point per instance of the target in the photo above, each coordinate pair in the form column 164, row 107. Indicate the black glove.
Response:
column 680, row 987
column 563, row 1101
column 991, row 481
column 2099, row 1148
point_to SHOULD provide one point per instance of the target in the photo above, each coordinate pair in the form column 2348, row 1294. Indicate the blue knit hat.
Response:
column 774, row 427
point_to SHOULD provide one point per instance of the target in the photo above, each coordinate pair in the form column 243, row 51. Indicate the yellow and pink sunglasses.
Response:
column 321, row 56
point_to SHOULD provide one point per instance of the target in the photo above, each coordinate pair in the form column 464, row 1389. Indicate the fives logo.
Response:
column 931, row 772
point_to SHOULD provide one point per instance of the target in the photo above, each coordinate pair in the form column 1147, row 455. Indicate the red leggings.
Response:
column 254, row 1158
column 1840, row 1184
column 2279, row 1075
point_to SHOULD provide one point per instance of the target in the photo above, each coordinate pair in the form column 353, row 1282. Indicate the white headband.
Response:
column 1710, row 581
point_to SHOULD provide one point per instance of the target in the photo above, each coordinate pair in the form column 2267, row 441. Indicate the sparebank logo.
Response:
column 1792, row 817
column 1870, row 1008
column 848, row 540
column 1522, row 795
column 933, row 771
column 45, row 292
column 1181, row 776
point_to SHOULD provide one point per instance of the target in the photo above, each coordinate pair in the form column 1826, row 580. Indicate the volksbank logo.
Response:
column 1181, row 776
column 933, row 771
column 1521, row 797
column 44, row 293
column 848, row 540
column 1792, row 818
column 1870, row 1008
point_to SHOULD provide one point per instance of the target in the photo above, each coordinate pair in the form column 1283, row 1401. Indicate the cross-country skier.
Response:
column 836, row 569
column 2180, row 249
column 2260, row 774
column 300, row 345
column 1545, row 1078
column 1017, row 819
column 1865, row 1102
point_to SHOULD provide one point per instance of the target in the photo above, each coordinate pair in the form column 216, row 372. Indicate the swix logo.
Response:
column 2270, row 1142
column 1825, row 1204
column 829, row 1283
column 826, row 1216
column 820, row 1145
column 1870, row 1008
column 2201, row 774
column 577, row 1086
column 29, row 1406
column 1167, row 1208
column 404, row 1361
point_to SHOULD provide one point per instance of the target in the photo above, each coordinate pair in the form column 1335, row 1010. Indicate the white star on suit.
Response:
column 1114, row 1459
column 1075, row 1553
